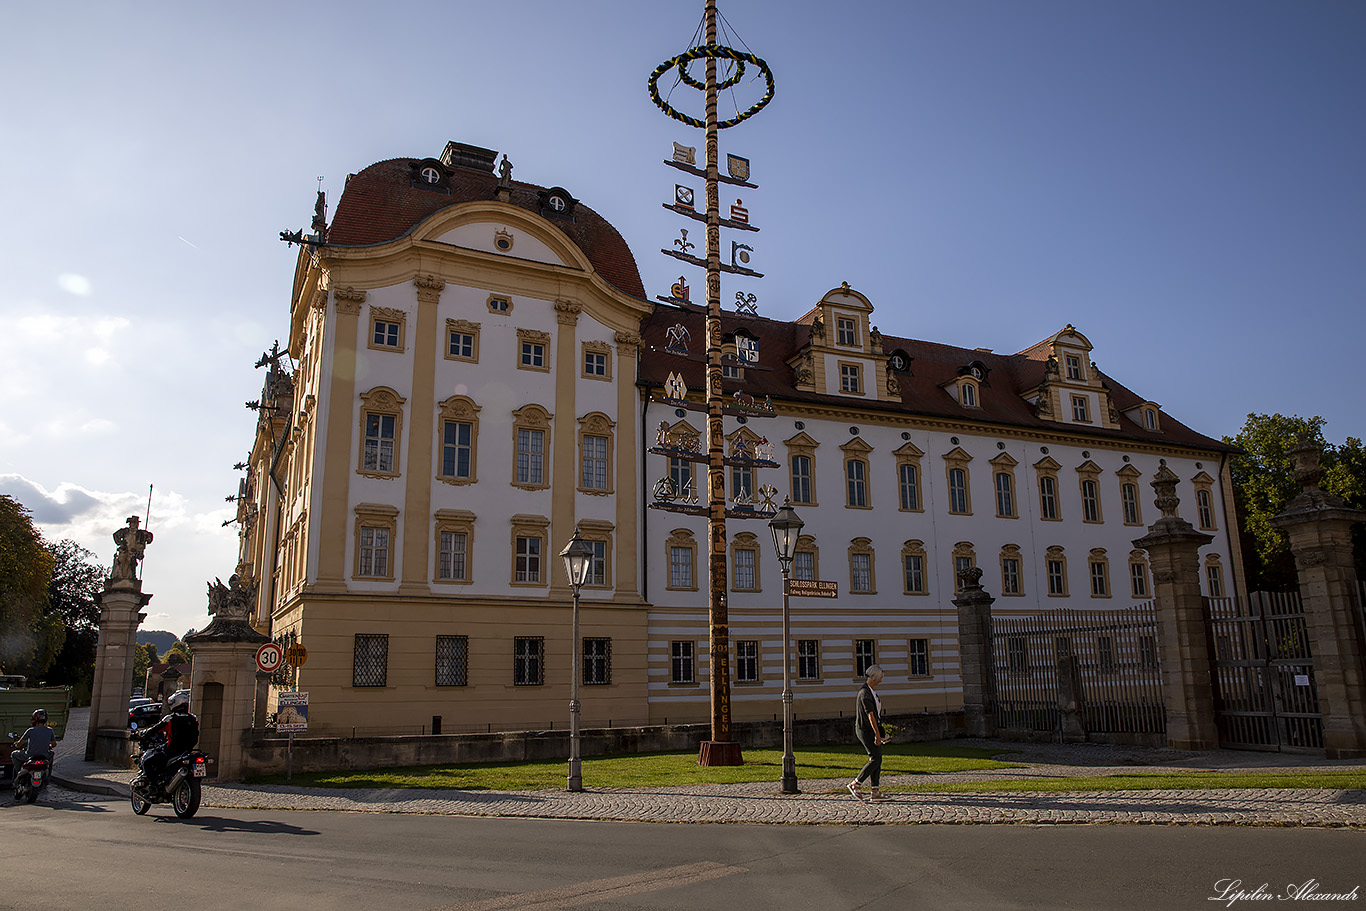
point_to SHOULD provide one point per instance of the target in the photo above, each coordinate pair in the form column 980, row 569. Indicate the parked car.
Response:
column 139, row 700
column 145, row 715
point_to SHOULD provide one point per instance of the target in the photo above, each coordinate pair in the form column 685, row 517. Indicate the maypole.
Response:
column 721, row 749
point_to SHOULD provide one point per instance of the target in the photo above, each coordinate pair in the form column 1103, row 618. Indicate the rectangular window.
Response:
column 918, row 658
column 374, row 552
column 682, row 670
column 379, row 442
column 1105, row 653
column 1138, row 580
column 743, row 569
column 808, row 659
column 967, row 395
column 741, row 482
column 461, row 345
column 1100, row 580
column 386, row 334
column 865, row 656
column 1017, row 655
column 528, row 566
column 451, row 563
column 958, row 491
column 597, row 662
column 960, row 566
column 533, row 355
column 855, row 474
column 846, row 331
column 1073, row 367
column 1216, row 581
column 909, row 484
column 1090, row 502
column 801, row 479
column 452, row 660
column 528, row 661
column 1204, row 508
column 680, row 567
column 594, row 363
column 370, row 661
column 915, row 573
column 1081, row 409
column 680, row 472
column 729, row 370
column 860, row 572
column 849, row 379
column 597, row 567
column 1005, row 495
column 1048, row 498
column 456, row 449
column 1129, row 495
column 747, row 661
column 530, row 456
column 804, row 565
column 1010, row 576
column 594, row 476
column 1147, row 651
column 1057, row 582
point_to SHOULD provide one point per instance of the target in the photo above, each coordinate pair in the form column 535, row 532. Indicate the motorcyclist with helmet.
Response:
column 181, row 735
column 36, row 741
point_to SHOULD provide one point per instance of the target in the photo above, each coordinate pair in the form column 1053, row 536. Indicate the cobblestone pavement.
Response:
column 826, row 802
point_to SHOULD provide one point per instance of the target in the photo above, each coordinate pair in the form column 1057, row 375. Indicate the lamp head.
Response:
column 578, row 560
column 787, row 527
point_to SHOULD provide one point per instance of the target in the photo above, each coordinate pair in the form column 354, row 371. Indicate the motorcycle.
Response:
column 31, row 778
column 179, row 784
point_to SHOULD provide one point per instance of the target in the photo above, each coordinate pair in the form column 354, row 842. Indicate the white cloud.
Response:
column 74, row 284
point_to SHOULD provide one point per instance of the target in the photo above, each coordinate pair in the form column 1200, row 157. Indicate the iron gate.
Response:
column 1264, row 691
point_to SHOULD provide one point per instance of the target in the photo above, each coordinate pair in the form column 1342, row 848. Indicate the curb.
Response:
column 86, row 786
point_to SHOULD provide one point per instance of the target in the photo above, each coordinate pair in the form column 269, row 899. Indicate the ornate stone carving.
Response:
column 233, row 601
column 818, row 328
column 567, row 312
column 1164, row 576
column 1307, row 558
column 626, row 340
column 348, row 293
column 429, row 287
column 893, row 385
column 389, row 313
column 1164, row 485
column 970, row 579
column 132, row 541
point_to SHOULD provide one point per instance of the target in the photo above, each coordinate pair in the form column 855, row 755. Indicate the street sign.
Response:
column 296, row 655
column 810, row 588
column 292, row 713
column 268, row 658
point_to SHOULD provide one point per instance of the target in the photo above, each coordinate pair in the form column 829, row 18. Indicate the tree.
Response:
column 178, row 653
column 144, row 656
column 76, row 582
column 1264, row 483
column 26, row 633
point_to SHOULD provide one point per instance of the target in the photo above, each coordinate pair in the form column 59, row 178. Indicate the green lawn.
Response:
column 653, row 770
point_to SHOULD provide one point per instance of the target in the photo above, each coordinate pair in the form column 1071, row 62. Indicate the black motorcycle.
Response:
column 31, row 777
column 178, row 784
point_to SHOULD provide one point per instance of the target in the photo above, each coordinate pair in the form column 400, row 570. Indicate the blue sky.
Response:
column 1182, row 181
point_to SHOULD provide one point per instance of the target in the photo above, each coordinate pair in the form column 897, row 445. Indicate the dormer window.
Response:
column 1073, row 367
column 850, row 379
column 430, row 175
column 899, row 362
column 1150, row 419
column 967, row 394
column 846, row 331
column 1081, row 410
column 557, row 203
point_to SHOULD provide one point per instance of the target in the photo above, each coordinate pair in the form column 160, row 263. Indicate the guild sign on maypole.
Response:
column 721, row 749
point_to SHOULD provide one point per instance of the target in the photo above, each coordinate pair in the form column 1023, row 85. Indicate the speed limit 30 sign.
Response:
column 269, row 657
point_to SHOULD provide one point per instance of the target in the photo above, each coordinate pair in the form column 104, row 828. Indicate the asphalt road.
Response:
column 74, row 851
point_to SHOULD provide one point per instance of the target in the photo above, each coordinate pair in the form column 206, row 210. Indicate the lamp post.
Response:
column 578, row 560
column 787, row 527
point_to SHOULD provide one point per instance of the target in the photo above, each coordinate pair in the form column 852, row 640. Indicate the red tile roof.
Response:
column 921, row 393
column 384, row 202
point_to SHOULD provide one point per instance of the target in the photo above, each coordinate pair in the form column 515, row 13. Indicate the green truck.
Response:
column 17, row 705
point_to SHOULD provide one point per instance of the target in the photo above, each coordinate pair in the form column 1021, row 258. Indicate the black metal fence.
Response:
column 1117, row 682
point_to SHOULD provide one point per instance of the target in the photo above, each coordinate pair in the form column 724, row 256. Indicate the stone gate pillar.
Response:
column 223, row 683
column 975, row 656
column 1173, row 547
column 121, row 605
column 1319, row 526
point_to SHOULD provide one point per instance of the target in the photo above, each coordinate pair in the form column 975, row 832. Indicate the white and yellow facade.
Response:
column 478, row 374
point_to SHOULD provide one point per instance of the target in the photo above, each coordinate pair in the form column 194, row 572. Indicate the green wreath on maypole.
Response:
column 703, row 51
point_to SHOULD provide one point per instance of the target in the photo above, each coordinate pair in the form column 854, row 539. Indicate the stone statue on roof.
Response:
column 505, row 172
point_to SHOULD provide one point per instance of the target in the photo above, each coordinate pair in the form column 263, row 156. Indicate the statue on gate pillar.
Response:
column 132, row 542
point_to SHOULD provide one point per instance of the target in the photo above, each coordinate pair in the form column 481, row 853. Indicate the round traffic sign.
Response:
column 296, row 655
column 268, row 657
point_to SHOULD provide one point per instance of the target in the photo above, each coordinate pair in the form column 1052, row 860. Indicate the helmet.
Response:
column 179, row 701
column 40, row 716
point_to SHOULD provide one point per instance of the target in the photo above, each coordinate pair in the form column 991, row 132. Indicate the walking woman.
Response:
column 868, row 729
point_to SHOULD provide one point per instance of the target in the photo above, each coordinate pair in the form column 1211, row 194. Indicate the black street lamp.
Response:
column 578, row 561
column 787, row 526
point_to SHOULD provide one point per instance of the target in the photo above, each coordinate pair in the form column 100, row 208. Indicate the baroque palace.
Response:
column 475, row 372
